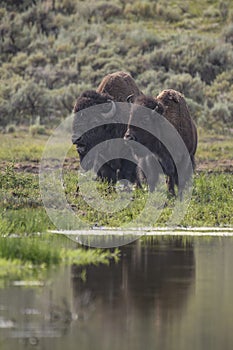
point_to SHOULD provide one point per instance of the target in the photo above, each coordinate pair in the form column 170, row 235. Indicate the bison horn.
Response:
column 155, row 109
column 112, row 111
column 159, row 109
column 129, row 99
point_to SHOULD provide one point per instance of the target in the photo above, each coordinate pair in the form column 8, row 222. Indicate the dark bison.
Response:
column 118, row 87
column 97, row 119
column 172, row 105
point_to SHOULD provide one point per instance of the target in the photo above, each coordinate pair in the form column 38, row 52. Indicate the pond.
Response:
column 165, row 293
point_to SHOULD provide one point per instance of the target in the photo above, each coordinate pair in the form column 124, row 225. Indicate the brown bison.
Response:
column 177, row 113
column 120, row 85
column 172, row 105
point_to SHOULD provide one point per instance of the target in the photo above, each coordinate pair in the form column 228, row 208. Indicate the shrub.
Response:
column 211, row 12
column 224, row 10
column 67, row 7
column 217, row 117
column 228, row 34
column 11, row 128
column 171, row 14
column 195, row 109
column 144, row 40
column 221, row 88
column 38, row 59
column 140, row 9
column 221, row 56
column 220, row 113
column 190, row 87
column 106, row 11
column 37, row 130
column 152, row 82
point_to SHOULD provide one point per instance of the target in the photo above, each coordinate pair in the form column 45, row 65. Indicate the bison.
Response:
column 108, row 121
column 177, row 113
column 172, row 105
column 118, row 87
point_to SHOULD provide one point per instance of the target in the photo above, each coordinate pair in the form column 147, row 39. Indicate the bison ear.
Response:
column 130, row 98
column 111, row 112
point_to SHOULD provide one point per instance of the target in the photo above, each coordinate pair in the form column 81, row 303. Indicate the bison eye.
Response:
column 111, row 112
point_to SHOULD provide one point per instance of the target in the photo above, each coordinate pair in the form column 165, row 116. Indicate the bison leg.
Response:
column 171, row 185
column 148, row 172
column 107, row 173
column 169, row 170
column 127, row 171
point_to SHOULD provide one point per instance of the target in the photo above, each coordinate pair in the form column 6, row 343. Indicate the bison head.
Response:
column 90, row 123
column 142, row 119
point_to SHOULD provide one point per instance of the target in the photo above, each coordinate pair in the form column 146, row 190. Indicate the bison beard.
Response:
column 111, row 170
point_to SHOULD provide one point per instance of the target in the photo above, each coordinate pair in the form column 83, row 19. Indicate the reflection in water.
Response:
column 160, row 295
column 31, row 315
column 128, row 303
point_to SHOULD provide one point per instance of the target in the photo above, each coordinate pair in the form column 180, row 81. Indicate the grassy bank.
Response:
column 31, row 256
column 22, row 210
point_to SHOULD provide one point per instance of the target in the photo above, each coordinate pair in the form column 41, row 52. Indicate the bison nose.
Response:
column 80, row 145
column 129, row 137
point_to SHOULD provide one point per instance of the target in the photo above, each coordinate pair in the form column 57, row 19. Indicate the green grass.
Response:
column 50, row 249
column 21, row 146
column 36, row 250
column 212, row 201
column 22, row 209
column 23, row 212
column 211, row 204
column 30, row 257
column 214, row 147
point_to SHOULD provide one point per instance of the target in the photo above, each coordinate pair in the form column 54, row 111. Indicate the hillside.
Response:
column 52, row 50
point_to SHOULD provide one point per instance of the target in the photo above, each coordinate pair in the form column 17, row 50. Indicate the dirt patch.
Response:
column 222, row 165
column 33, row 167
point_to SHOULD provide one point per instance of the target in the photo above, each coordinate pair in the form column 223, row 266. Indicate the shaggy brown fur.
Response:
column 172, row 105
column 177, row 113
column 90, row 98
column 149, row 102
column 119, row 85
column 152, row 143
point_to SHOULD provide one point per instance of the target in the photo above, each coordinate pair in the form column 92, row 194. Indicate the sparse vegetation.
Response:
column 51, row 51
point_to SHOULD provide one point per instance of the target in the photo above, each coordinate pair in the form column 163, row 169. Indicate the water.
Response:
column 164, row 295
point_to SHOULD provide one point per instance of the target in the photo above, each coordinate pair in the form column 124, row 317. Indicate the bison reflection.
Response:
column 151, row 282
